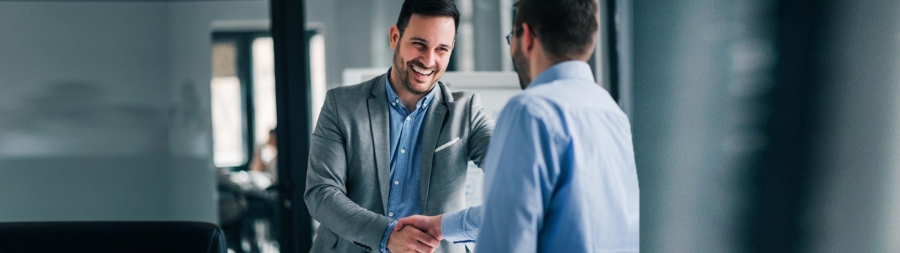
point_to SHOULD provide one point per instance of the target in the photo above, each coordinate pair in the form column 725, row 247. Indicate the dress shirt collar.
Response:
column 564, row 70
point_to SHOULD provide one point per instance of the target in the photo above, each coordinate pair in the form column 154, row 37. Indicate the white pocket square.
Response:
column 448, row 144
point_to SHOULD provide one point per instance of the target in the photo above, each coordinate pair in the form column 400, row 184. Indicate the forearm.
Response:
column 327, row 200
column 462, row 226
column 334, row 210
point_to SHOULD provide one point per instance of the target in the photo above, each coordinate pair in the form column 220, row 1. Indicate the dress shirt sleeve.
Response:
column 386, row 236
column 462, row 226
column 519, row 179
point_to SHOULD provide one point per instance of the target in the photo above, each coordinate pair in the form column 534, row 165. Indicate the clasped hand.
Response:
column 417, row 233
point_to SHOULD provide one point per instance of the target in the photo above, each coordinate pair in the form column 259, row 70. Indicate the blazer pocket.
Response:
column 449, row 149
column 447, row 145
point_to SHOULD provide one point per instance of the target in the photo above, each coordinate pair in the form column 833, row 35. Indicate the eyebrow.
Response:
column 426, row 41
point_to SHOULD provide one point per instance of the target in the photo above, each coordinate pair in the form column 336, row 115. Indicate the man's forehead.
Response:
column 443, row 20
column 431, row 28
column 441, row 23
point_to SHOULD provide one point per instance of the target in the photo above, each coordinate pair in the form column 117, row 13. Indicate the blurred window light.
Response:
column 263, row 88
column 316, row 73
column 225, row 89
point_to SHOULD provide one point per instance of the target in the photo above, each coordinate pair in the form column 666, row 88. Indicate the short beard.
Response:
column 522, row 67
column 403, row 74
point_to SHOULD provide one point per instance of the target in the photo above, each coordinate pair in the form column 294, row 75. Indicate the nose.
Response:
column 429, row 59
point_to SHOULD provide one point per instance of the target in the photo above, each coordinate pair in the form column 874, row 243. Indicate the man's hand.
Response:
column 428, row 224
column 410, row 239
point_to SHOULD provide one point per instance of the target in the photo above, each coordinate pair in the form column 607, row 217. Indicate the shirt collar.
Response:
column 564, row 70
column 395, row 100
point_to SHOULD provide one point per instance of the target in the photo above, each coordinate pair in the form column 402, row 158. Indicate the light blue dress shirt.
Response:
column 403, row 199
column 559, row 174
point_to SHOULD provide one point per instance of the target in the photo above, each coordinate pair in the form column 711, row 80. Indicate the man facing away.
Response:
column 396, row 145
column 560, row 173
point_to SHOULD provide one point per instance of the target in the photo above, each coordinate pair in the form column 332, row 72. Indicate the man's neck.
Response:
column 408, row 99
column 538, row 65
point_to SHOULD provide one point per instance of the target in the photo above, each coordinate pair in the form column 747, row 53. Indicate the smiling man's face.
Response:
column 422, row 52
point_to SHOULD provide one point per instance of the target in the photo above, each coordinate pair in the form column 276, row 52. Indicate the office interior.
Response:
column 758, row 126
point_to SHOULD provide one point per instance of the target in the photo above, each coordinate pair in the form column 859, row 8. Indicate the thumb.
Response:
column 407, row 220
column 399, row 226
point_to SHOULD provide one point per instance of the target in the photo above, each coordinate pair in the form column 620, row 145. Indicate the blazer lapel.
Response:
column 378, row 118
column 433, row 125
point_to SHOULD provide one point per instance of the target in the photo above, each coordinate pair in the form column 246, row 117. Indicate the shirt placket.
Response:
column 405, row 152
column 401, row 162
column 412, row 121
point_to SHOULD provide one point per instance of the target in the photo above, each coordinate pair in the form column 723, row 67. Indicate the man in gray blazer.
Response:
column 397, row 145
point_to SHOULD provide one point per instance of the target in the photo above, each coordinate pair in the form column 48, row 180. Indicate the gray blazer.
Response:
column 348, row 178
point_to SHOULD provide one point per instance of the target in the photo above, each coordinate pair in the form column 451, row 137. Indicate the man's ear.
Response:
column 394, row 36
column 527, row 40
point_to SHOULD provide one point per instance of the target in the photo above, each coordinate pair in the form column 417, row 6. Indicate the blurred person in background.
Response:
column 265, row 158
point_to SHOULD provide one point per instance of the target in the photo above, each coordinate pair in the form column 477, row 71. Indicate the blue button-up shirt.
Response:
column 403, row 199
column 559, row 174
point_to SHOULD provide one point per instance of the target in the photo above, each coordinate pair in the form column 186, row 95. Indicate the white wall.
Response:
column 83, row 114
column 350, row 35
column 104, row 109
column 855, row 198
column 80, row 78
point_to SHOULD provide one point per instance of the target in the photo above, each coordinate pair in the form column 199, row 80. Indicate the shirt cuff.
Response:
column 453, row 228
column 387, row 234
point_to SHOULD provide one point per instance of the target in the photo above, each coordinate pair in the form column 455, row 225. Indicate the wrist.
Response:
column 386, row 237
column 437, row 225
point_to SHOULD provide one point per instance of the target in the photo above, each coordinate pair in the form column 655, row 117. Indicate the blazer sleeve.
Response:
column 326, row 191
column 482, row 128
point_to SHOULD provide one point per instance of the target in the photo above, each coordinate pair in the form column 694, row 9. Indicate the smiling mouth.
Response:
column 422, row 71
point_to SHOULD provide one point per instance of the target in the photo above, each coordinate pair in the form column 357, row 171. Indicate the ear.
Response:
column 527, row 40
column 394, row 36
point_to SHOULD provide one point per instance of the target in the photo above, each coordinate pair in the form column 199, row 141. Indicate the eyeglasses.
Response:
column 509, row 36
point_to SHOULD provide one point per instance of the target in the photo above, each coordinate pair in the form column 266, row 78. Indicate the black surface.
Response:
column 612, row 45
column 111, row 237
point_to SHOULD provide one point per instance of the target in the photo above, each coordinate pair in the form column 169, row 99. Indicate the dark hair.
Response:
column 566, row 28
column 440, row 8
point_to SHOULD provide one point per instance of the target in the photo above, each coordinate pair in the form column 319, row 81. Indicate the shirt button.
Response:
column 396, row 182
column 391, row 214
column 402, row 151
column 397, row 100
column 392, row 104
column 407, row 118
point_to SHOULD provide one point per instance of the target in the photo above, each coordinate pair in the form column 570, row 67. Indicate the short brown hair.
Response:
column 566, row 28
column 444, row 8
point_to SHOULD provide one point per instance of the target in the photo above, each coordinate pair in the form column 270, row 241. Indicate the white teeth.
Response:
column 422, row 71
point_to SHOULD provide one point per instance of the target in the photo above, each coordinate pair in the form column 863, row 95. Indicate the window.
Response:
column 243, row 96
column 227, row 114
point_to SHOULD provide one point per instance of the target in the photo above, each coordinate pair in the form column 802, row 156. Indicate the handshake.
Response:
column 416, row 233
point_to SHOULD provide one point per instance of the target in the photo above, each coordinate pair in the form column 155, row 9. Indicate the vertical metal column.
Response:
column 292, row 95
